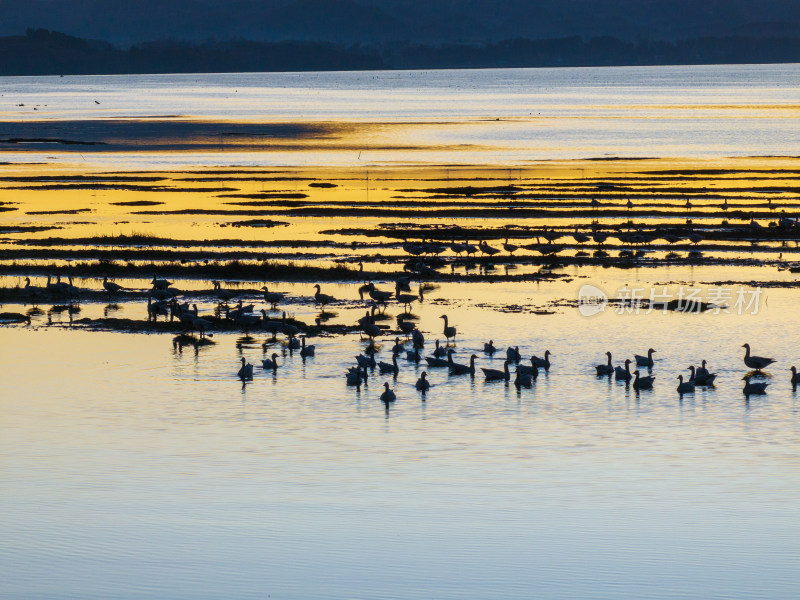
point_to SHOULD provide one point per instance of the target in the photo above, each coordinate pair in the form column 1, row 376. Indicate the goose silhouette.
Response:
column 606, row 369
column 756, row 362
column 245, row 371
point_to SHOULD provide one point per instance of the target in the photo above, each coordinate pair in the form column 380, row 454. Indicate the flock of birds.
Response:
column 442, row 356
column 634, row 236
column 162, row 301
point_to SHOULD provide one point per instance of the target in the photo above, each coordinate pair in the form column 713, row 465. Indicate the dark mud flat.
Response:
column 158, row 135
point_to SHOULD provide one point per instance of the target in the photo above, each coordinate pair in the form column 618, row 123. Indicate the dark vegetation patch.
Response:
column 118, row 187
column 25, row 228
column 73, row 178
column 72, row 211
column 263, row 196
column 151, row 240
column 468, row 190
column 136, row 203
column 322, row 184
column 234, row 269
column 243, row 178
column 267, row 223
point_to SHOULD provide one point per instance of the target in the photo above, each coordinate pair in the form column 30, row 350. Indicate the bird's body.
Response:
column 702, row 377
column 449, row 331
column 523, row 380
column 645, row 361
column 413, row 355
column 435, row 361
column 111, row 287
column 371, row 330
column 273, row 298
column 354, row 376
column 685, row 387
column 795, row 376
column 606, row 369
column 198, row 324
column 487, row 249
column 154, row 309
column 757, row 387
column 245, row 371
column 306, row 350
column 33, row 291
column 489, row 348
column 701, row 370
column 542, row 363
column 160, row 284
column 756, row 362
column 391, row 367
column 623, row 374
column 512, row 354
column 289, row 329
column 439, row 351
column 322, row 299
column 532, row 370
column 497, row 375
column 423, row 385
column 367, row 360
column 406, row 327
column 388, row 395
column 270, row 363
column 417, row 339
column 398, row 347
column 580, row 237
column 459, row 369
column 643, row 383
column 510, row 248
column 222, row 294
column 379, row 296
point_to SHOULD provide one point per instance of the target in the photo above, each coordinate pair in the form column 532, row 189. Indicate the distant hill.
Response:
column 414, row 21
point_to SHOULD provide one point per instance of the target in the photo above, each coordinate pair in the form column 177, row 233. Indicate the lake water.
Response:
column 136, row 471
column 132, row 470
column 492, row 116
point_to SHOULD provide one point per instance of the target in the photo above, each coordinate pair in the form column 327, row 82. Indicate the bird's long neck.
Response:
column 747, row 351
column 609, row 360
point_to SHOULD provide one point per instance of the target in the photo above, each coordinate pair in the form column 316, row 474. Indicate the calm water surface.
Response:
column 490, row 116
column 131, row 470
